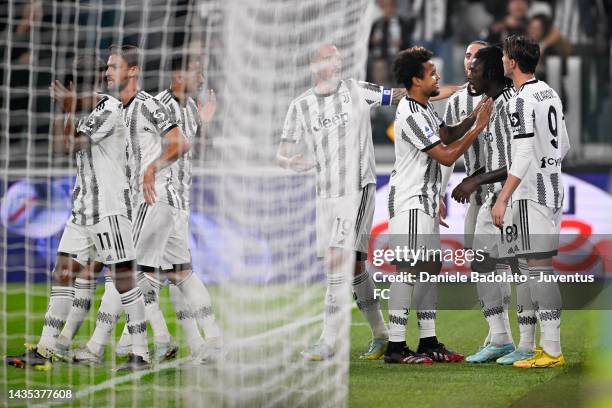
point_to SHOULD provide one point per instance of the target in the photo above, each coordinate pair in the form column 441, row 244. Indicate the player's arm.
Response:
column 450, row 134
column 469, row 184
column 292, row 133
column 446, row 91
column 523, row 145
column 448, row 154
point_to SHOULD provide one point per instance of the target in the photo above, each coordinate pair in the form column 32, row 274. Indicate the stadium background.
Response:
column 578, row 65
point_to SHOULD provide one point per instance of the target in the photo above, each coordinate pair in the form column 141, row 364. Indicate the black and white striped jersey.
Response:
column 187, row 117
column 148, row 121
column 537, row 122
column 337, row 130
column 415, row 179
column 498, row 137
column 459, row 106
column 102, row 186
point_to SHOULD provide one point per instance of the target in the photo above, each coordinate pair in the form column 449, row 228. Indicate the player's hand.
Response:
column 498, row 211
column 148, row 185
column 64, row 97
column 482, row 118
column 299, row 163
column 207, row 109
column 442, row 213
column 462, row 192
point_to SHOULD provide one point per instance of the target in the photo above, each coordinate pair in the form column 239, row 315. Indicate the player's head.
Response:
column 413, row 68
column 520, row 55
column 470, row 51
column 187, row 75
column 487, row 70
column 89, row 71
column 122, row 66
column 326, row 64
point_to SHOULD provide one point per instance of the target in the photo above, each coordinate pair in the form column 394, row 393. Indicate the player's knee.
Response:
column 487, row 264
column 65, row 270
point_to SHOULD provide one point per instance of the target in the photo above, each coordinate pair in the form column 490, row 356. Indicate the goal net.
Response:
column 252, row 224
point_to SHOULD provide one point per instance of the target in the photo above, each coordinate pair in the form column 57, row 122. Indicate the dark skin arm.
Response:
column 468, row 185
column 447, row 155
column 449, row 134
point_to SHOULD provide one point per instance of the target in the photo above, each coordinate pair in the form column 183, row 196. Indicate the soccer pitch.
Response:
column 372, row 383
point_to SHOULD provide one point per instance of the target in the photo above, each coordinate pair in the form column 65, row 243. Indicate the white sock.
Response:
column 525, row 312
column 425, row 300
column 426, row 320
column 125, row 340
column 185, row 317
column 150, row 287
column 399, row 308
column 336, row 301
column 108, row 314
column 133, row 304
column 84, row 291
column 491, row 300
column 363, row 287
column 198, row 299
column 548, row 299
column 60, row 303
column 506, row 293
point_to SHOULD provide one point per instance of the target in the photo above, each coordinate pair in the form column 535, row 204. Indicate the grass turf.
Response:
column 372, row 383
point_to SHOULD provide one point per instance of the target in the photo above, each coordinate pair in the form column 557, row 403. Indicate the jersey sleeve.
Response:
column 449, row 116
column 417, row 131
column 375, row 95
column 101, row 121
column 521, row 116
column 565, row 143
column 158, row 116
column 293, row 131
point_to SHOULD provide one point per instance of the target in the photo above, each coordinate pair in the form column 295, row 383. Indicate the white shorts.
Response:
column 469, row 224
column 346, row 222
column 498, row 243
column 538, row 229
column 109, row 241
column 177, row 254
column 414, row 230
column 156, row 237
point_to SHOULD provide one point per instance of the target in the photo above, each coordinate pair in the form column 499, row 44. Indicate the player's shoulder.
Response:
column 461, row 93
column 107, row 103
column 306, row 96
column 165, row 97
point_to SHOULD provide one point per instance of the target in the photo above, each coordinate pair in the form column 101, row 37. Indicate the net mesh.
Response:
column 252, row 224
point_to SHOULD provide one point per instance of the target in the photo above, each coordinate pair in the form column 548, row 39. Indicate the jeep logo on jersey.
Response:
column 339, row 119
column 162, row 122
column 514, row 119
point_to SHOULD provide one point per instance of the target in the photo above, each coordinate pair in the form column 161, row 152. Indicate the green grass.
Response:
column 372, row 384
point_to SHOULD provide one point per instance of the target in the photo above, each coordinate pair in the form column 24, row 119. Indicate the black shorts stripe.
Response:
column 121, row 245
column 140, row 221
column 114, row 234
column 361, row 212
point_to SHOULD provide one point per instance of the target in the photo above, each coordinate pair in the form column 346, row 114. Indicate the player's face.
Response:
column 194, row 78
column 117, row 73
column 430, row 79
column 328, row 65
column 476, row 76
column 470, row 51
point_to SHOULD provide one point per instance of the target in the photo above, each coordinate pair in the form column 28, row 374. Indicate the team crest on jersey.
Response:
column 514, row 119
column 346, row 98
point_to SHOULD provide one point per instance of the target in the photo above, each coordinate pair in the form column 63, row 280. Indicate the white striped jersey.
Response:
column 188, row 119
column 102, row 186
column 458, row 107
column 415, row 179
column 498, row 137
column 148, row 121
column 536, row 117
column 337, row 130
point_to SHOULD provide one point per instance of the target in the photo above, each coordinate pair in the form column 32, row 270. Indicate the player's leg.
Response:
column 186, row 319
column 539, row 241
column 84, row 291
column 363, row 284
column 194, row 292
column 403, row 234
column 151, row 235
column 491, row 242
column 526, row 317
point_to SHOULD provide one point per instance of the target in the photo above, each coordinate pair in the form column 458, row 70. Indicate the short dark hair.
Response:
column 89, row 68
column 545, row 21
column 524, row 51
column 409, row 64
column 130, row 53
column 180, row 61
column 492, row 65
